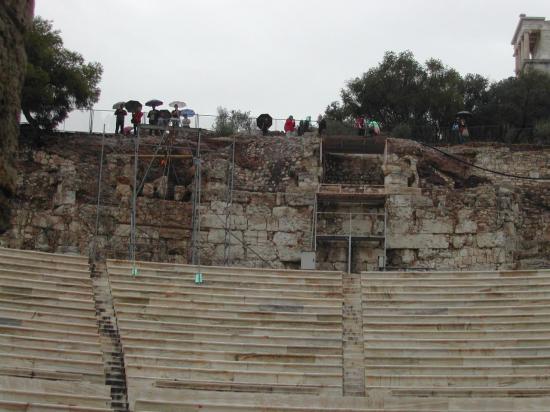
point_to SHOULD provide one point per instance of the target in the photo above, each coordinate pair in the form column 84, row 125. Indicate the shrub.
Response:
column 231, row 122
column 541, row 132
column 402, row 131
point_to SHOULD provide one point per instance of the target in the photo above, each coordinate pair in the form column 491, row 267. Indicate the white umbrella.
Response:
column 178, row 103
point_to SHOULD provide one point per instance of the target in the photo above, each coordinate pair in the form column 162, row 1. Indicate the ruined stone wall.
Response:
column 441, row 214
column 15, row 18
column 459, row 217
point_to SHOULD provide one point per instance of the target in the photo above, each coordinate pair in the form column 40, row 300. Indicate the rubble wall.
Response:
column 441, row 214
column 15, row 18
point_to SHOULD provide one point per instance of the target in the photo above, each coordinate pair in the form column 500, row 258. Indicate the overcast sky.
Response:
column 277, row 56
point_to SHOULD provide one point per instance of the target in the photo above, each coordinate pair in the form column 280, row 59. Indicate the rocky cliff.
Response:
column 15, row 17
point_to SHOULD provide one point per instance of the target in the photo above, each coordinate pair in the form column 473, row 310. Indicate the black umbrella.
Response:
column 264, row 121
column 463, row 113
column 133, row 105
column 153, row 103
column 164, row 114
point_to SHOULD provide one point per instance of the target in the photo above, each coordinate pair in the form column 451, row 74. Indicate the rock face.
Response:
column 15, row 17
column 440, row 214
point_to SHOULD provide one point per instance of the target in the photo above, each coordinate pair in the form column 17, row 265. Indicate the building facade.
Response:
column 531, row 44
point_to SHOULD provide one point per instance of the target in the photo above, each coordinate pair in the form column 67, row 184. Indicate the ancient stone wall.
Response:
column 441, row 214
column 15, row 18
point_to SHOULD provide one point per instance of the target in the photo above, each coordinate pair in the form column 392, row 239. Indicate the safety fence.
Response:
column 97, row 120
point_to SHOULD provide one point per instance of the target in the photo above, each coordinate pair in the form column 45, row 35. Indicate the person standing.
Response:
column 120, row 113
column 322, row 124
column 153, row 117
column 360, row 125
column 175, row 116
column 136, row 119
column 290, row 126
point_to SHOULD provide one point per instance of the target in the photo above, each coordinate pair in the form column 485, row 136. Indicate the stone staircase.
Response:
column 457, row 341
column 241, row 330
column 50, row 349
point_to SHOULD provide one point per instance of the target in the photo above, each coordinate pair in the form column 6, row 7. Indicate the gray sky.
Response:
column 277, row 56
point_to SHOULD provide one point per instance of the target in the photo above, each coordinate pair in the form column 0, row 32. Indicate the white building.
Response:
column 531, row 44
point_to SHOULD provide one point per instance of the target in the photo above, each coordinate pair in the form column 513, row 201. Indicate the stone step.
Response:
column 138, row 289
column 535, row 293
column 58, row 257
column 372, row 334
column 68, row 343
column 451, row 370
column 54, row 398
column 52, row 283
column 55, row 386
column 446, row 380
column 46, row 276
column 410, row 349
column 238, row 307
column 435, row 317
column 162, row 400
column 48, row 298
column 476, row 394
column 42, row 407
column 459, row 343
column 184, row 284
column 50, row 353
column 221, row 319
column 207, row 337
column 482, row 311
column 153, row 373
column 333, row 333
column 455, row 282
column 435, row 325
column 33, row 372
column 464, row 360
column 49, row 266
column 502, row 274
column 46, row 316
column 454, row 303
column 241, row 365
column 499, row 287
column 50, row 306
column 236, row 355
column 49, row 333
column 184, row 278
column 47, row 363
column 112, row 263
column 268, row 348
column 88, row 328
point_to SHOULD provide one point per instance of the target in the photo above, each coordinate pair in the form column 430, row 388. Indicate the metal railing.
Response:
column 95, row 120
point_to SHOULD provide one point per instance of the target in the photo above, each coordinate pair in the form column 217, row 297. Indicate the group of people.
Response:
column 303, row 126
column 460, row 129
column 155, row 117
column 366, row 126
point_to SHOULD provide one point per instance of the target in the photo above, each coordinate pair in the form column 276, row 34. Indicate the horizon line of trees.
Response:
column 404, row 94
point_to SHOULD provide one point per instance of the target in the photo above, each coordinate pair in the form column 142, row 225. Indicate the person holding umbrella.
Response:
column 264, row 122
column 176, row 112
column 290, row 126
column 120, row 113
column 153, row 114
column 137, row 114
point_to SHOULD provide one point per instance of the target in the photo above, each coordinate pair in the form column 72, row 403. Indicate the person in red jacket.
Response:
column 136, row 119
column 290, row 126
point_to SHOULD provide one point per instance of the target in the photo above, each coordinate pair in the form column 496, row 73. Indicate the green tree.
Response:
column 232, row 122
column 57, row 80
column 402, row 91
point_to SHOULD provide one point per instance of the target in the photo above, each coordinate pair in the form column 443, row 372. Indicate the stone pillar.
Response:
column 15, row 18
column 525, row 49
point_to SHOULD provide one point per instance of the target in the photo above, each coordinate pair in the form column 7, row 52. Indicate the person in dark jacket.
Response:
column 120, row 113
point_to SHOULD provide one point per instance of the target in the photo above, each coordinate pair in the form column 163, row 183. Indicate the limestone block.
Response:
column 148, row 190
column 235, row 252
column 212, row 221
column 490, row 240
column 64, row 196
column 436, row 226
column 289, row 253
column 258, row 210
column 284, row 211
column 285, row 239
column 466, row 226
column 179, row 193
column 256, row 222
column 293, row 224
column 266, row 251
column 420, row 241
column 123, row 191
